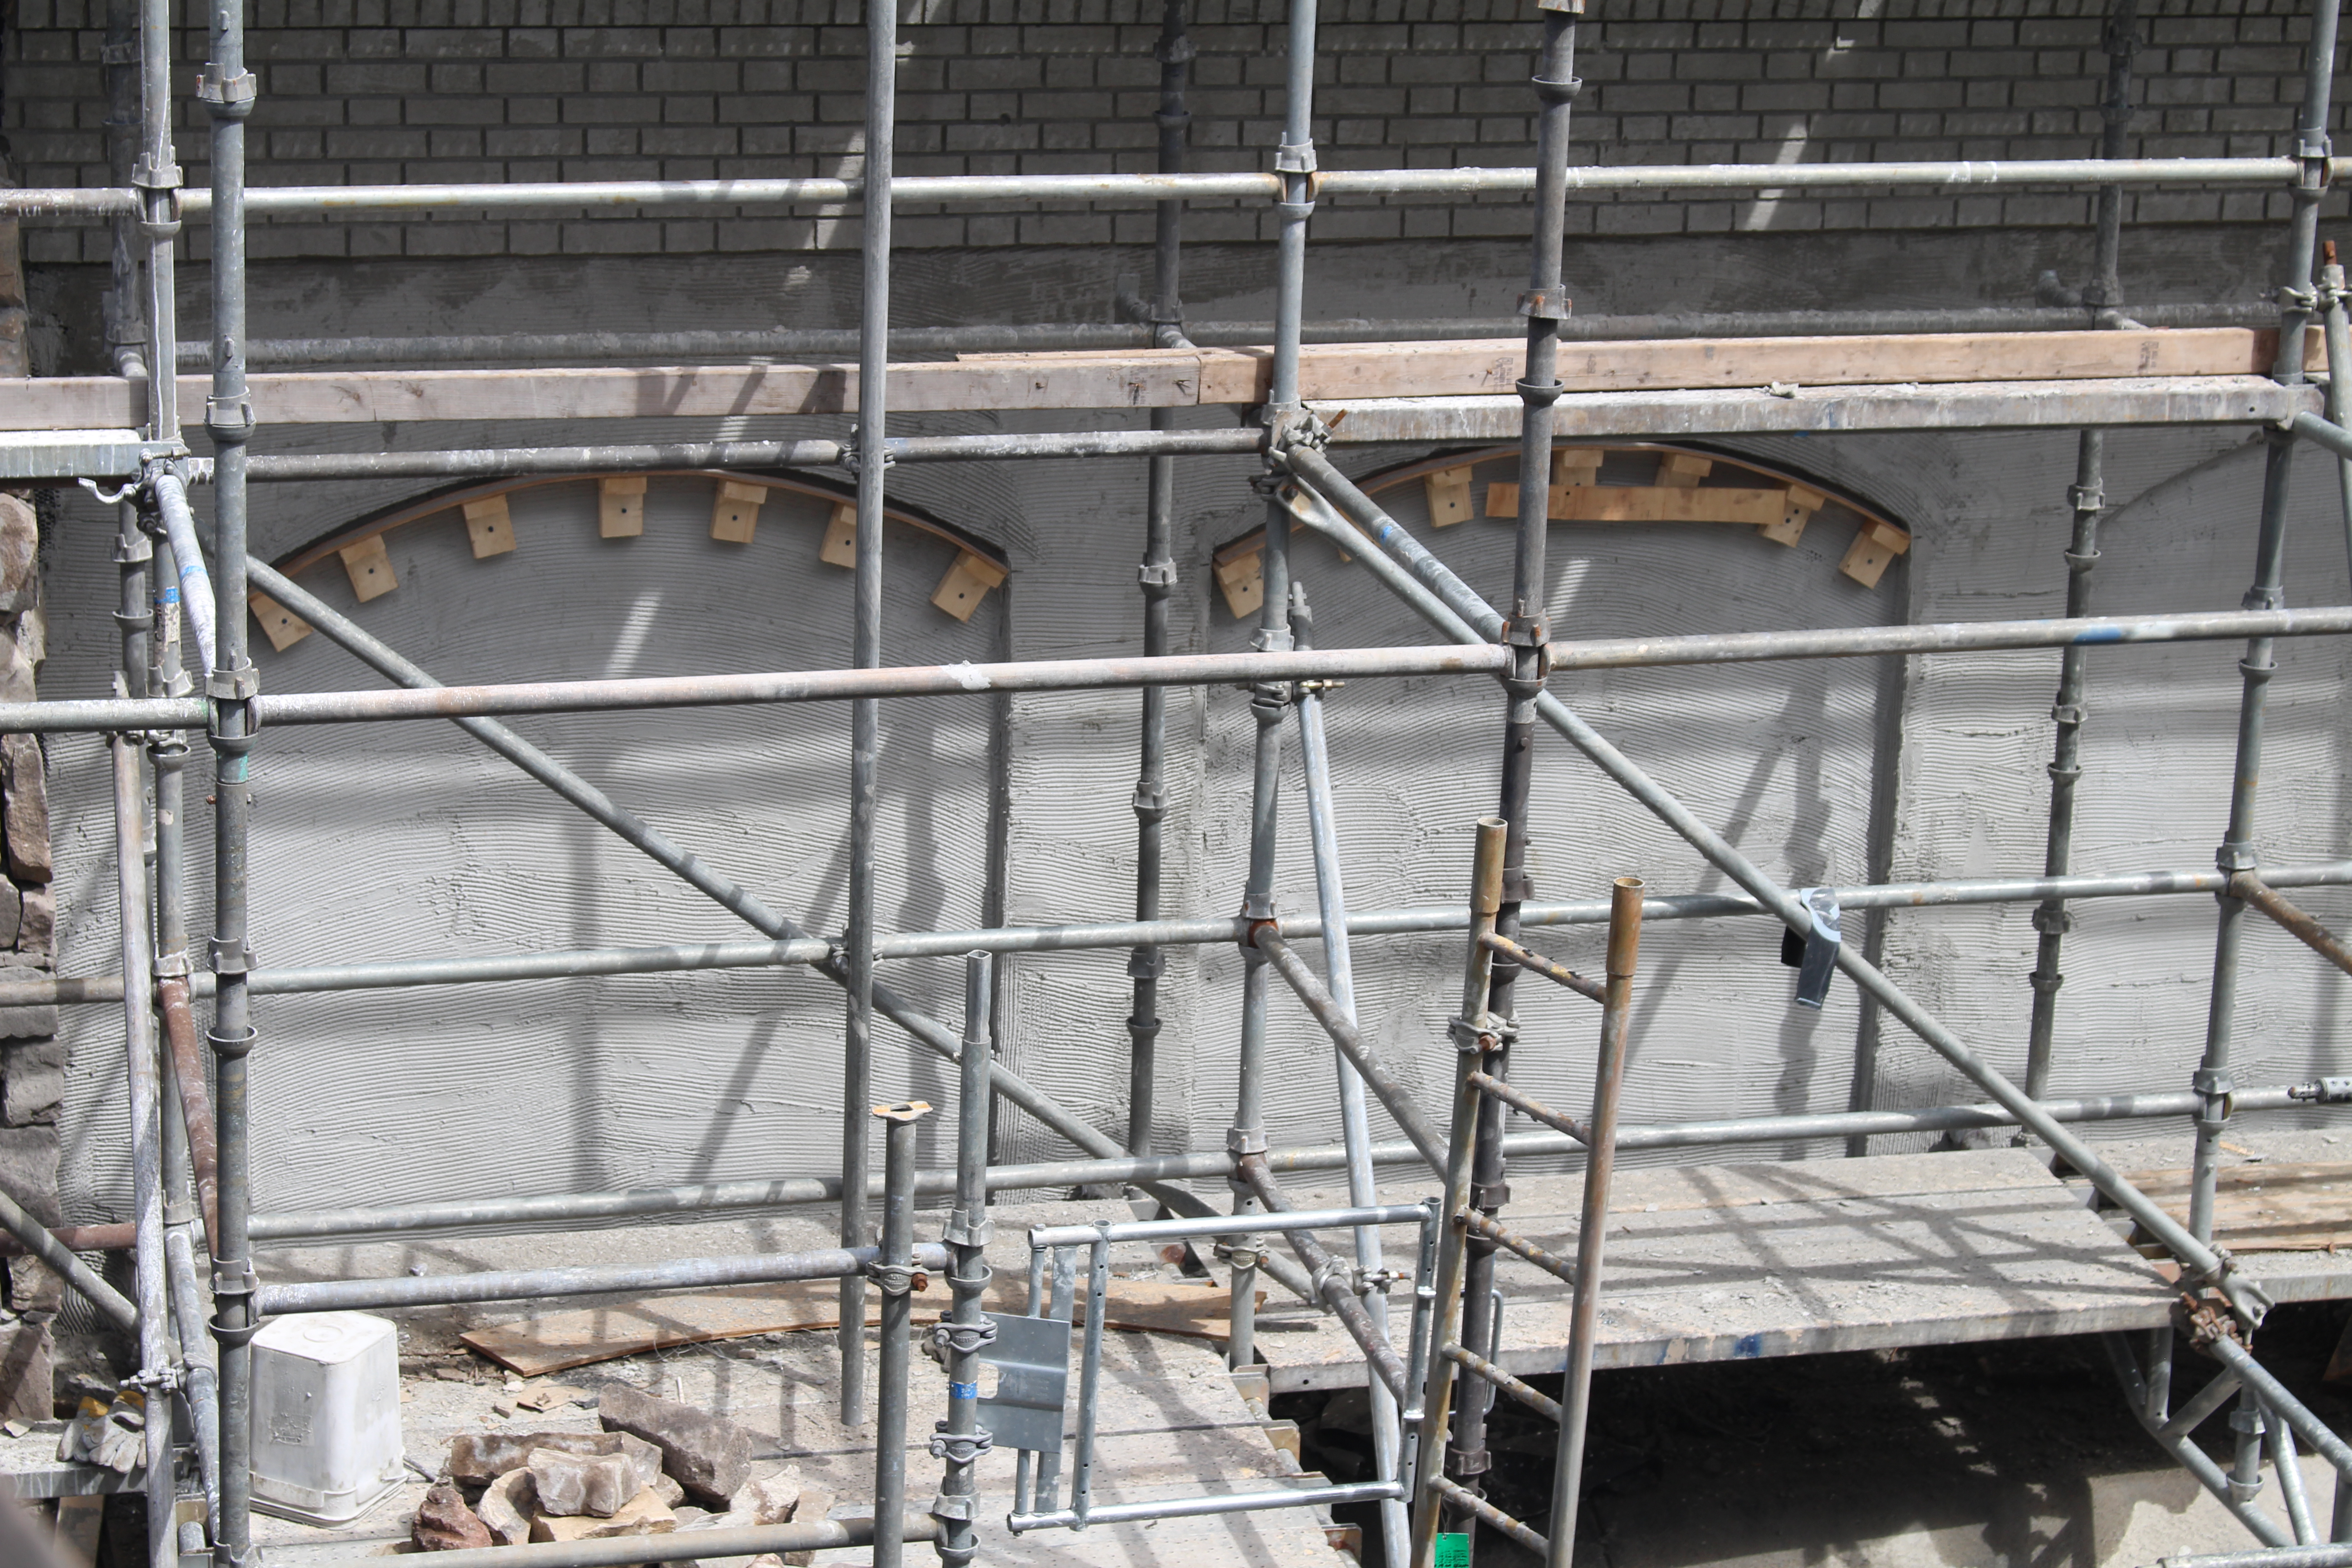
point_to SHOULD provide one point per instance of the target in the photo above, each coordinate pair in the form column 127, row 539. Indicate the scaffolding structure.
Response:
column 192, row 1134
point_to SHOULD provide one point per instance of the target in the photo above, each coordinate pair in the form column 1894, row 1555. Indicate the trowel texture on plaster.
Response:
column 409, row 840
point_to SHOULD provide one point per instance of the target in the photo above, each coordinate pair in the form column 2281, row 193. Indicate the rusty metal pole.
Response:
column 1474, row 1042
column 1600, row 1165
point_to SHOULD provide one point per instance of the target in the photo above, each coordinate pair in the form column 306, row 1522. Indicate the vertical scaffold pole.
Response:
column 1527, row 629
column 2088, row 499
column 896, row 1269
column 227, row 91
column 2212, row 1083
column 1355, row 1113
column 1270, row 699
column 960, row 1441
column 866, row 714
column 1157, row 580
column 1476, row 1046
column 1592, row 1228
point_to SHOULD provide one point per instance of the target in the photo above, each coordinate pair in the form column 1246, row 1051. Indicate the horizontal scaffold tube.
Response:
column 496, row 461
column 539, row 348
column 1220, row 1502
column 778, row 685
column 1184, row 669
column 1142, row 190
column 785, row 1191
column 1045, row 1235
column 595, row 1280
column 390, row 973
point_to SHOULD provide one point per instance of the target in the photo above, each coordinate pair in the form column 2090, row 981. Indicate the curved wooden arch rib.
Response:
column 978, row 565
column 1876, row 543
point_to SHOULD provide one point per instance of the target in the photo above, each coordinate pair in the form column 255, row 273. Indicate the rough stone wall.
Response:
column 32, row 1059
column 413, row 90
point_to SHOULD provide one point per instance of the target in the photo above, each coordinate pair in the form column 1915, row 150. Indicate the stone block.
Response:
column 27, row 1373
column 32, row 1082
column 478, row 1459
column 36, row 937
column 815, row 1503
column 24, row 813
column 506, row 1505
column 20, row 542
column 709, row 1457
column 444, row 1522
column 767, row 1499
column 25, row 1023
column 571, row 1484
column 644, row 1514
column 34, row 1292
column 29, row 1170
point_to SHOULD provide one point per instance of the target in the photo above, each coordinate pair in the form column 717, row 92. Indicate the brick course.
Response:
column 361, row 91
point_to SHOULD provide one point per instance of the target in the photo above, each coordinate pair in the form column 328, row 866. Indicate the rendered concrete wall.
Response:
column 410, row 841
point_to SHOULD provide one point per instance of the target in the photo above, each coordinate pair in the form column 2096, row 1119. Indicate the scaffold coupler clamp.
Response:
column 2314, row 157
column 1288, row 425
column 158, row 179
column 2205, row 1320
column 853, row 451
column 233, row 1284
column 227, row 97
column 224, row 688
column 1479, row 1035
column 2213, row 1088
column 962, row 1339
column 2323, row 1091
column 1814, row 953
column 897, row 1278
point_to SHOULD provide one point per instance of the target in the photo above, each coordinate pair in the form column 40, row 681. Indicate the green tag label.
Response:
column 1452, row 1551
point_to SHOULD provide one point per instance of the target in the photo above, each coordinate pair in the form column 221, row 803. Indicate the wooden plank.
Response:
column 621, row 506
column 1448, row 494
column 735, row 511
column 1802, row 501
column 2267, row 1207
column 489, row 527
column 1736, row 1262
column 369, row 567
column 561, row 1341
column 281, row 626
column 1875, row 545
column 967, row 583
column 840, row 546
column 1163, row 377
column 1648, row 503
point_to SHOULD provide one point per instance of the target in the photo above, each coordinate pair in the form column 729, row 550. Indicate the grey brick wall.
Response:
column 410, row 91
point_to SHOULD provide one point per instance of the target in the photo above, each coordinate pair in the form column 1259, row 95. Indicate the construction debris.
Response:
column 709, row 1457
column 444, row 1522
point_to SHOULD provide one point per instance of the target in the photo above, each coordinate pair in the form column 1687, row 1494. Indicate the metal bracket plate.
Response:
column 1032, row 1356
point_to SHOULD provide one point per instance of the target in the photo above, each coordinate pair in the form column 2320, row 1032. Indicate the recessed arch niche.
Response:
column 1794, row 762
column 413, row 840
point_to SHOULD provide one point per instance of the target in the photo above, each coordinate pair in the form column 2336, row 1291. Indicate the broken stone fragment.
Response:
column 570, row 1484
column 478, row 1459
column 506, row 1505
column 644, row 1514
column 444, row 1522
column 709, row 1457
column 763, row 1499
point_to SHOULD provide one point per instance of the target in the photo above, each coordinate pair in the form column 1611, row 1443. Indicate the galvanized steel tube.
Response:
column 960, row 1340
column 143, row 1083
column 895, row 1271
column 596, row 1280
column 866, row 638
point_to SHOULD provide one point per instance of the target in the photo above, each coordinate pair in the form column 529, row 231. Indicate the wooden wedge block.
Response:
column 1802, row 505
column 281, row 626
column 621, row 506
column 489, row 526
column 1576, row 464
column 966, row 584
column 1241, row 580
column 1872, row 548
column 735, row 512
column 1448, row 491
column 1683, row 470
column 840, row 547
column 370, row 568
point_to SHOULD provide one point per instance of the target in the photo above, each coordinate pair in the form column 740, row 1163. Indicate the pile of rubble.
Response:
column 658, row 1467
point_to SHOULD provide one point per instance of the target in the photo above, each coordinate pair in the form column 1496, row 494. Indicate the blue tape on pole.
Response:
column 962, row 1390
